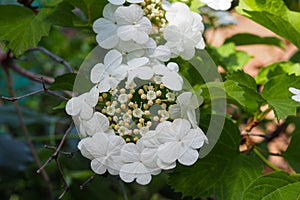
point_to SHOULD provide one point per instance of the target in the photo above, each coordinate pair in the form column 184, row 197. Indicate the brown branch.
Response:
column 58, row 149
column 87, row 181
column 55, row 156
column 53, row 57
column 26, row 133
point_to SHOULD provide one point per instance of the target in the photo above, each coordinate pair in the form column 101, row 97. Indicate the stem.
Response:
column 297, row 175
column 27, row 135
column 53, row 57
column 123, row 190
column 266, row 161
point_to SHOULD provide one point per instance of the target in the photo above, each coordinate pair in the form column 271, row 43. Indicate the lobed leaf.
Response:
column 224, row 172
column 276, row 93
column 21, row 28
column 274, row 15
column 273, row 186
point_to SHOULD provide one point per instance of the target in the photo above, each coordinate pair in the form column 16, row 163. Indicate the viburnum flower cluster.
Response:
column 137, row 120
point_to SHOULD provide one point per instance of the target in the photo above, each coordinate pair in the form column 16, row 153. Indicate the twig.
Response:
column 66, row 186
column 44, row 90
column 87, row 181
column 123, row 190
column 266, row 161
column 69, row 154
column 58, row 149
column 53, row 57
column 26, row 133
column 255, row 134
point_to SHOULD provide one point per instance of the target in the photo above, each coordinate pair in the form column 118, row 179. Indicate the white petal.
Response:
column 126, row 32
column 172, row 33
column 165, row 166
column 98, row 166
column 188, row 157
column 162, row 53
column 296, row 98
column 144, row 179
column 173, row 66
column 173, row 81
column 92, row 97
column 129, row 153
column 175, row 111
column 294, row 90
column 144, row 73
column 97, row 72
column 86, row 111
column 112, row 59
column 108, row 40
column 168, row 152
column 101, row 122
column 104, row 85
column 128, row 15
column 195, row 138
column 73, row 106
column 117, row 2
column 109, row 11
column 201, row 44
column 137, row 62
column 160, row 69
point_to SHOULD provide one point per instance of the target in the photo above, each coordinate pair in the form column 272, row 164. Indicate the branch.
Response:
column 58, row 149
column 87, row 181
column 27, row 135
column 53, row 57
column 266, row 161
column 55, row 157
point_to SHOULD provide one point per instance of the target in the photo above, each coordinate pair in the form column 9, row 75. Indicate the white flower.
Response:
column 296, row 93
column 132, row 24
column 170, row 77
column 120, row 2
column 151, row 95
column 180, row 141
column 123, row 131
column 123, row 98
column 186, row 104
column 137, row 68
column 83, row 105
column 109, row 74
column 104, row 151
column 98, row 123
column 138, row 113
column 139, row 163
column 161, row 53
column 184, row 31
column 106, row 28
column 218, row 4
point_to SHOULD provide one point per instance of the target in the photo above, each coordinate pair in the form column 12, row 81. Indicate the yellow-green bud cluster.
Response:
column 132, row 113
column 153, row 10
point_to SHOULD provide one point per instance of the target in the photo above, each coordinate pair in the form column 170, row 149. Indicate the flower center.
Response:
column 133, row 113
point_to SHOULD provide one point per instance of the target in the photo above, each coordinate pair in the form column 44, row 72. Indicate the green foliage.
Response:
column 224, row 172
column 21, row 28
column 276, row 69
column 273, row 186
column 64, row 82
column 273, row 15
column 249, row 39
column 91, row 8
column 276, row 93
column 292, row 152
column 61, row 15
column 242, row 79
column 228, row 57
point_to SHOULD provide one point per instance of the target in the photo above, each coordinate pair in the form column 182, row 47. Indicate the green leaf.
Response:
column 292, row 152
column 273, row 15
column 228, row 57
column 224, row 172
column 61, row 15
column 295, row 57
column 276, row 93
column 64, row 82
column 91, row 8
column 273, row 186
column 243, row 79
column 21, row 28
column 244, row 97
column 276, row 69
column 249, row 39
column 62, row 105
column 247, row 98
